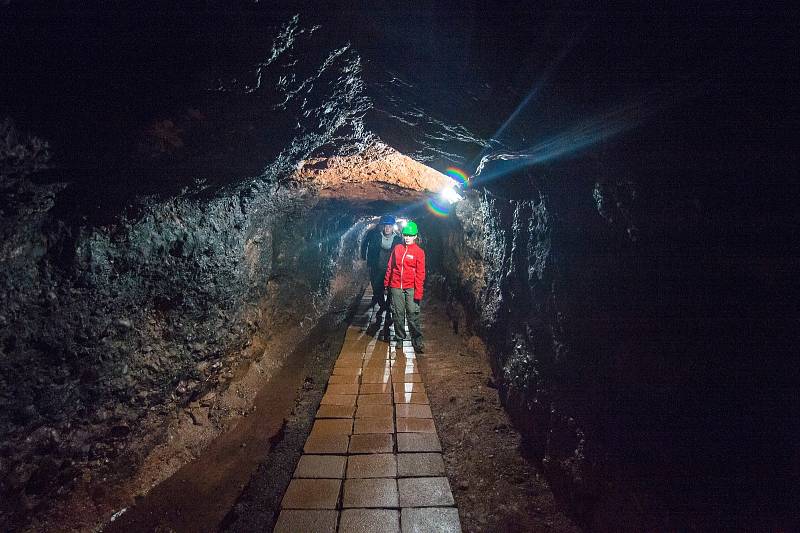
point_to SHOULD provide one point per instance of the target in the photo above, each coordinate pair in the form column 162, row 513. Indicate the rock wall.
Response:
column 625, row 353
column 138, row 263
column 103, row 326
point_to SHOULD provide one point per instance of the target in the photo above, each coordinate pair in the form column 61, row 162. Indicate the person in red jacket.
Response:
column 405, row 277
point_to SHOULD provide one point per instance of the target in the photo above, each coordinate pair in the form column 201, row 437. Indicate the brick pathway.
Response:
column 372, row 462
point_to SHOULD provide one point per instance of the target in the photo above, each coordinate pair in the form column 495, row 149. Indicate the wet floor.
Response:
column 358, row 434
column 372, row 461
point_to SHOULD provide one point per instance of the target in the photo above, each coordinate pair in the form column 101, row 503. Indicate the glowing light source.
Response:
column 440, row 205
column 450, row 195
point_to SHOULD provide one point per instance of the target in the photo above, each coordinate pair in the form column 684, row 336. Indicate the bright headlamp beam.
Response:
column 450, row 195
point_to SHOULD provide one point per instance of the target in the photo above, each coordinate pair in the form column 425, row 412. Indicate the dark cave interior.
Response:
column 628, row 253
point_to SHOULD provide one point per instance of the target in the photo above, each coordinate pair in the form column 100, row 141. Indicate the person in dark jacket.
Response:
column 405, row 279
column 375, row 249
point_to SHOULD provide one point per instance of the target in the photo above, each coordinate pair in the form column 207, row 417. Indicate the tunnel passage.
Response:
column 130, row 346
column 636, row 293
column 195, row 301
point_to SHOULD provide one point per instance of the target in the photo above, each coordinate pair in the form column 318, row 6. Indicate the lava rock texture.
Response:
column 127, row 296
column 103, row 325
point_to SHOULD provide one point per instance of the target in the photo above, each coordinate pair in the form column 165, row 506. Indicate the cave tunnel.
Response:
column 605, row 200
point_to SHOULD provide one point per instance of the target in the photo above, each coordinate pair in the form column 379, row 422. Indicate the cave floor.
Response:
column 497, row 486
column 414, row 442
column 373, row 438
column 373, row 460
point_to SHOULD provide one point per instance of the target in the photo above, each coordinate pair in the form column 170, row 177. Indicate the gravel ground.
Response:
column 496, row 488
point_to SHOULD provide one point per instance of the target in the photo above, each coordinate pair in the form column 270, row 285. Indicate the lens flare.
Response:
column 458, row 175
column 437, row 208
column 573, row 139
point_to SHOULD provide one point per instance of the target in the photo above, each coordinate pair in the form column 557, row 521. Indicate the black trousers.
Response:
column 376, row 276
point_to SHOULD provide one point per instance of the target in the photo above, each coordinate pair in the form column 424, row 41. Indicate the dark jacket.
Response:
column 406, row 269
column 371, row 249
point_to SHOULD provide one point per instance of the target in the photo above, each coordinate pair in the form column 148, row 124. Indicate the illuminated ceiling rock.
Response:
column 377, row 173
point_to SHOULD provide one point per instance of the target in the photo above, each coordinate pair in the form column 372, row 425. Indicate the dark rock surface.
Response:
column 133, row 293
column 102, row 325
column 627, row 357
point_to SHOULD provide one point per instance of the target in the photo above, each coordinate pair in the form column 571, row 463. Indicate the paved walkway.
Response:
column 373, row 461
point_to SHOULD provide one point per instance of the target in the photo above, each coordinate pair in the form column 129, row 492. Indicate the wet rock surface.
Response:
column 142, row 275
column 606, row 345
column 201, row 495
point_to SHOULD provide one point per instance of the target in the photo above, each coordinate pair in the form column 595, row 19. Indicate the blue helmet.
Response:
column 388, row 220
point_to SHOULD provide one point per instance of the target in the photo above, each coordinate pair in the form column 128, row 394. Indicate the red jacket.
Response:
column 406, row 269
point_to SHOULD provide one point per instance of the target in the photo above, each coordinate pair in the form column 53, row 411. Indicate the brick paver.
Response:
column 333, row 426
column 420, row 464
column 312, row 494
column 411, row 397
column 374, row 424
column 343, row 388
column 425, row 492
column 324, row 443
column 372, row 462
column 336, row 411
column 335, row 379
column 376, row 388
column 291, row 521
column 418, row 442
column 431, row 520
column 321, row 466
column 408, row 387
column 372, row 465
column 374, row 399
column 339, row 399
column 370, row 493
column 415, row 425
column 372, row 443
column 370, row 521
column 374, row 410
column 412, row 410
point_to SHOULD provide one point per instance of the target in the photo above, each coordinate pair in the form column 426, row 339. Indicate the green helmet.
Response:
column 410, row 229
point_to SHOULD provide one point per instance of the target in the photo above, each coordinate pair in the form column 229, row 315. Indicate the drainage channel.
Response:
column 201, row 495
